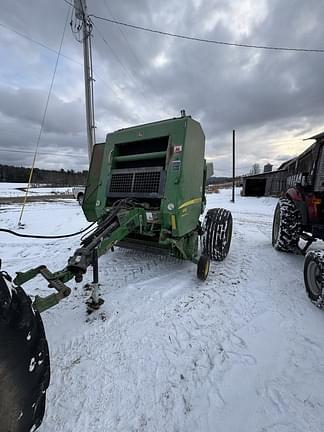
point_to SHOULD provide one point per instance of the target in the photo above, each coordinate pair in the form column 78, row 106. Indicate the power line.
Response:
column 8, row 150
column 209, row 41
column 67, row 2
column 129, row 74
column 138, row 61
column 53, row 51
column 56, row 52
column 43, row 118
column 39, row 43
column 113, row 52
column 124, row 36
column 71, row 59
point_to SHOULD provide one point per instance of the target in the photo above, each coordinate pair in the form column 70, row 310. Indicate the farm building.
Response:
column 273, row 183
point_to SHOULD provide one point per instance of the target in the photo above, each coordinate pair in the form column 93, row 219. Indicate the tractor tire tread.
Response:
column 217, row 235
column 289, row 226
column 318, row 257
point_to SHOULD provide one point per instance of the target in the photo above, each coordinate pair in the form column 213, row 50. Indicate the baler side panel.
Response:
column 172, row 196
column 94, row 204
column 190, row 188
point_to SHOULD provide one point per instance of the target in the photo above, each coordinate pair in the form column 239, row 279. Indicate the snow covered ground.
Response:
column 13, row 190
column 241, row 352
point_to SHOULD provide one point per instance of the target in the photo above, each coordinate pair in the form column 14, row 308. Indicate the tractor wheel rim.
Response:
column 314, row 279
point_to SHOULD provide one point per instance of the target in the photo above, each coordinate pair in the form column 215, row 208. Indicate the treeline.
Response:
column 62, row 177
column 221, row 180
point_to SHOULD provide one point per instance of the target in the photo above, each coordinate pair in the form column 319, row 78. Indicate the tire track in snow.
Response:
column 225, row 349
column 167, row 345
column 112, row 330
column 184, row 324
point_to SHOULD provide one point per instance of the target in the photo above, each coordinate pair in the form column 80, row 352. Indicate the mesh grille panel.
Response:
column 147, row 182
column 121, row 182
column 137, row 182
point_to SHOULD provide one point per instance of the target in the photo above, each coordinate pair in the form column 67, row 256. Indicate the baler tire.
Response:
column 24, row 361
column 314, row 276
column 216, row 240
column 286, row 226
column 80, row 198
column 203, row 267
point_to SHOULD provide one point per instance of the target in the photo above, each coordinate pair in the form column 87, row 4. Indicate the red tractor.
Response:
column 299, row 216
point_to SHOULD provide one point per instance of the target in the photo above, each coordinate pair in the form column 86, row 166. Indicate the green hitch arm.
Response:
column 44, row 303
column 125, row 222
column 128, row 222
column 23, row 277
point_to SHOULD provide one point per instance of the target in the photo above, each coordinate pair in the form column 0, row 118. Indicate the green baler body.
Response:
column 160, row 164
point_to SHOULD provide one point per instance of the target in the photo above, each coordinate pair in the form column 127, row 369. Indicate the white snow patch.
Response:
column 32, row 364
column 242, row 352
column 14, row 189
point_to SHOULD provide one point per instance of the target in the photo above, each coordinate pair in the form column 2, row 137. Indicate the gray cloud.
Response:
column 270, row 98
column 27, row 105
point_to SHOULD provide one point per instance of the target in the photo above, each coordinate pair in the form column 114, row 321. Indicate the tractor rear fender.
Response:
column 307, row 204
column 295, row 195
column 313, row 208
column 299, row 200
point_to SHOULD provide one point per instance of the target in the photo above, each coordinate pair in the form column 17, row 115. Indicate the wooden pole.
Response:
column 233, row 176
column 80, row 7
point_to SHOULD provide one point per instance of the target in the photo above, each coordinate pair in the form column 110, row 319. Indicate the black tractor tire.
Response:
column 217, row 227
column 286, row 226
column 80, row 198
column 203, row 267
column 314, row 276
column 24, row 361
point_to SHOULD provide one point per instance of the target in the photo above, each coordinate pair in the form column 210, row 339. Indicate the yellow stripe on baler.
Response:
column 173, row 222
column 190, row 202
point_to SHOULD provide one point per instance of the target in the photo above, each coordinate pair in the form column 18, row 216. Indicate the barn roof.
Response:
column 317, row 137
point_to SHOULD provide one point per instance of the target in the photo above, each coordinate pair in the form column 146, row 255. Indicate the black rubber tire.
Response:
column 286, row 226
column 80, row 198
column 203, row 267
column 24, row 362
column 314, row 276
column 217, row 227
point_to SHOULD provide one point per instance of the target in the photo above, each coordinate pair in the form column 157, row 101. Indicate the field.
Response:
column 241, row 352
column 8, row 190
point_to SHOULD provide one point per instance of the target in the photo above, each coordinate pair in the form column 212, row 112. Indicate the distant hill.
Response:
column 62, row 177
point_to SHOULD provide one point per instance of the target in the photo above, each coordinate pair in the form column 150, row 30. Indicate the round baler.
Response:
column 145, row 190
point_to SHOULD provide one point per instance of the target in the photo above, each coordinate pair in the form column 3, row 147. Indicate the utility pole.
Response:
column 81, row 14
column 233, row 175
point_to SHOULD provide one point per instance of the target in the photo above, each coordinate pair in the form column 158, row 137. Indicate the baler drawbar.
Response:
column 121, row 220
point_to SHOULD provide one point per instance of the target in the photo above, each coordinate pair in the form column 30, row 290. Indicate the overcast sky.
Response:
column 272, row 99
